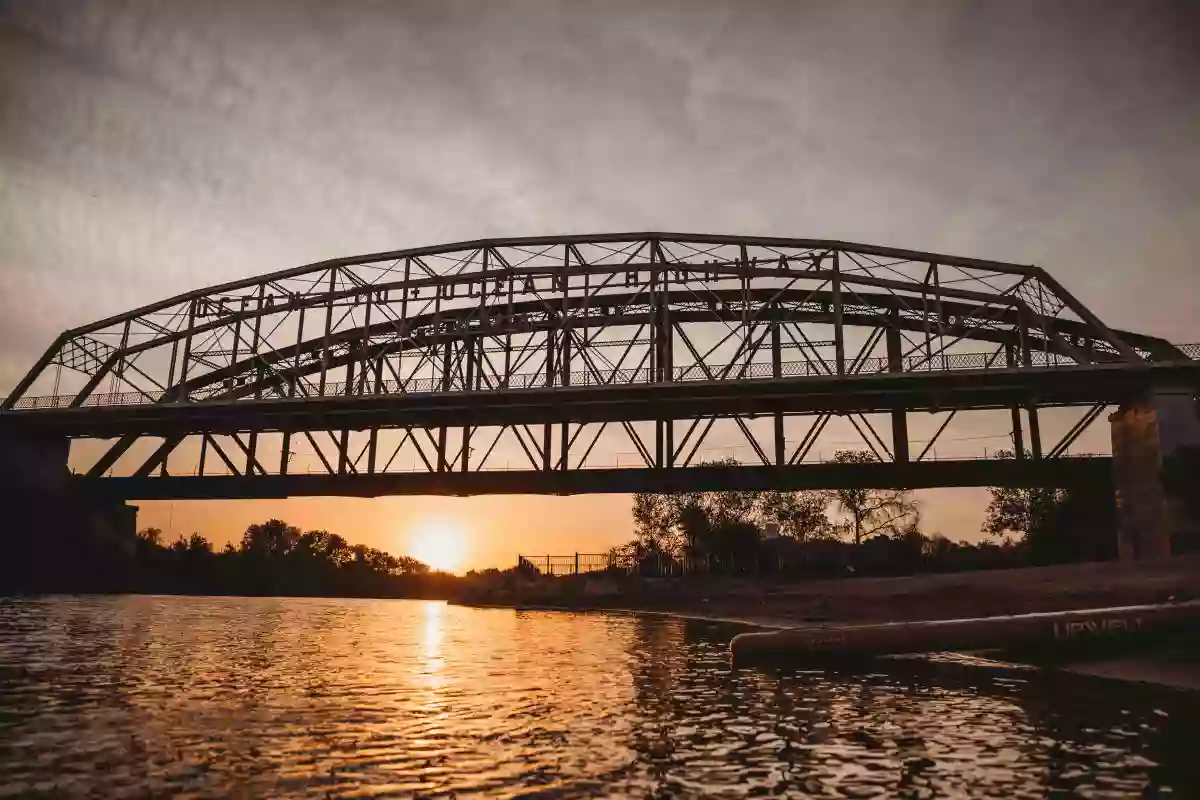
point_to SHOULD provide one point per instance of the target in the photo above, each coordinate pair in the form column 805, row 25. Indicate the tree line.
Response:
column 858, row 530
column 275, row 558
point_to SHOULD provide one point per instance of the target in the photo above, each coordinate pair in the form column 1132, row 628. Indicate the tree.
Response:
column 322, row 547
column 655, row 520
column 874, row 512
column 1181, row 479
column 692, row 525
column 192, row 546
column 1022, row 511
column 799, row 515
column 1052, row 523
column 271, row 539
column 151, row 535
column 723, row 528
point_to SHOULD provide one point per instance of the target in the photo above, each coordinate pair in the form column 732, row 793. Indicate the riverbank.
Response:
column 779, row 605
column 774, row 603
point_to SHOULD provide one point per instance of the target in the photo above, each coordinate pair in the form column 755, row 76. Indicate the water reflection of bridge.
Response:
column 519, row 365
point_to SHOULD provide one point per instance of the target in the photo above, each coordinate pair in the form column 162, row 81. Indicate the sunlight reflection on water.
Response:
column 218, row 697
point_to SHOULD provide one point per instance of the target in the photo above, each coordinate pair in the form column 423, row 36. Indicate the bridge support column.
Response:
column 1158, row 426
column 55, row 536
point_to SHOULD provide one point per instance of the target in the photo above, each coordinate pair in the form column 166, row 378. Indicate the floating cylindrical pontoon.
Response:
column 1045, row 631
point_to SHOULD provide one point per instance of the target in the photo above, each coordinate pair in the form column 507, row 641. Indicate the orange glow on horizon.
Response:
column 439, row 543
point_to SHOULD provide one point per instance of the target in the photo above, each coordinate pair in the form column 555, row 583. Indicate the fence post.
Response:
column 577, row 563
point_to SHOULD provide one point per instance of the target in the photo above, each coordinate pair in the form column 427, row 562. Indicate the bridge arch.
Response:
column 344, row 319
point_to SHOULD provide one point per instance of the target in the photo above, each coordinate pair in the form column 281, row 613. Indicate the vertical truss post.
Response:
column 669, row 443
column 508, row 325
column 747, row 326
column 1026, row 355
column 896, row 365
column 364, row 369
column 839, row 340
column 777, row 372
column 1018, row 435
column 666, row 359
column 564, row 428
column 470, row 344
column 565, row 360
column 372, row 450
column 550, row 359
column 344, row 442
column 654, row 329
column 466, row 448
column 187, row 352
column 256, row 340
column 925, row 313
column 328, row 327
column 203, row 454
column 660, row 356
column 442, row 465
column 938, row 309
column 404, row 299
column 565, row 445
column 295, row 376
column 548, row 427
column 659, row 444
column 285, row 453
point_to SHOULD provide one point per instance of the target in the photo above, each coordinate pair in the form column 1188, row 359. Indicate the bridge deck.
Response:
column 979, row 389
column 916, row 475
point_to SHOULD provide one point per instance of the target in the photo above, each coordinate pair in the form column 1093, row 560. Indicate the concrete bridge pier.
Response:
column 1153, row 521
column 55, row 535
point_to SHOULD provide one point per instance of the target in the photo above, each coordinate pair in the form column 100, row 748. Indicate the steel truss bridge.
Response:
column 507, row 365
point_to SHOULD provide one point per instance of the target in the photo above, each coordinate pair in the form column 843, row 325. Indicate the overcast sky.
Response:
column 148, row 148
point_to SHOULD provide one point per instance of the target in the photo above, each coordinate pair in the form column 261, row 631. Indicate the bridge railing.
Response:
column 938, row 362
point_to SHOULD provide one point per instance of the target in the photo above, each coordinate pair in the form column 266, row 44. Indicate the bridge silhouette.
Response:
column 432, row 370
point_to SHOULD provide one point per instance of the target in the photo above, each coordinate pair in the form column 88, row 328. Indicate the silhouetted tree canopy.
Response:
column 276, row 558
column 1181, row 479
column 1055, row 525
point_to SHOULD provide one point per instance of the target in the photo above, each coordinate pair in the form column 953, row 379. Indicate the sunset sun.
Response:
column 440, row 544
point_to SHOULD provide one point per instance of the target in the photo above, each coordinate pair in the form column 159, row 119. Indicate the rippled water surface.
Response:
column 215, row 697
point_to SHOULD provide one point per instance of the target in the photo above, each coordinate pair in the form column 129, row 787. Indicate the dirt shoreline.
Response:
column 776, row 604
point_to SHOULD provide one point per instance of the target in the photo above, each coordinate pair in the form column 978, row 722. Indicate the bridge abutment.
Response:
column 1145, row 433
column 56, row 535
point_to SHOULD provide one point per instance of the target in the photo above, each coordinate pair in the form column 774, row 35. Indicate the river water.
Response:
column 238, row 697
